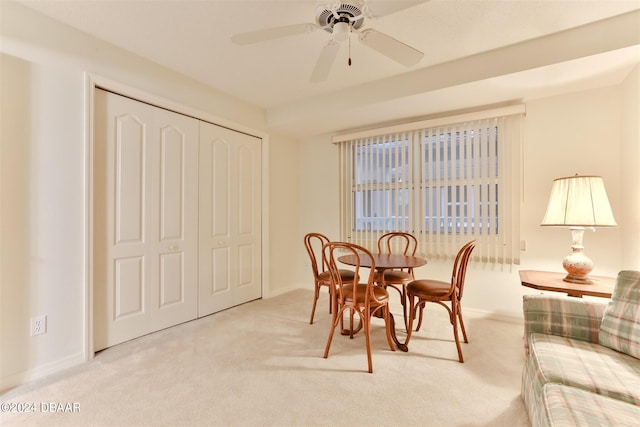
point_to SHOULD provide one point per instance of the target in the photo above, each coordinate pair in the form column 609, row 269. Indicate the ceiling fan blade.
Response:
column 378, row 9
column 325, row 62
column 390, row 47
column 272, row 33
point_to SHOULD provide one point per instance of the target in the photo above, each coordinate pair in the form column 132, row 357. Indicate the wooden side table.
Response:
column 552, row 281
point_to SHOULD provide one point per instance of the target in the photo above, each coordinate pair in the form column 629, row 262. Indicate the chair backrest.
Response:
column 397, row 242
column 332, row 251
column 460, row 268
column 314, row 243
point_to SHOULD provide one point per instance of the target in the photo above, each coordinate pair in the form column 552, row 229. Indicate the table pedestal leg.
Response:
column 401, row 346
column 392, row 325
column 392, row 320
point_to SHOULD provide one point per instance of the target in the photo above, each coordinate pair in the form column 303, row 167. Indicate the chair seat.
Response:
column 394, row 276
column 381, row 295
column 429, row 288
column 347, row 276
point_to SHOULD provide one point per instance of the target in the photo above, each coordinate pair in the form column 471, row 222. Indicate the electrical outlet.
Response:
column 38, row 325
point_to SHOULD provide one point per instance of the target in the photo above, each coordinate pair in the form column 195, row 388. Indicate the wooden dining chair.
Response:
column 314, row 242
column 398, row 243
column 362, row 299
column 439, row 292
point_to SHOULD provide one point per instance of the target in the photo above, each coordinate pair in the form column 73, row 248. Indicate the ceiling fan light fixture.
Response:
column 339, row 18
column 341, row 31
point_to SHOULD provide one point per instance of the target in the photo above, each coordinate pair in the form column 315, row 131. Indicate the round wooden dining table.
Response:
column 383, row 262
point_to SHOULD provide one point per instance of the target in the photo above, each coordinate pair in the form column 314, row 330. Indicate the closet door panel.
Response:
column 248, row 165
column 230, row 214
column 128, row 171
column 177, row 205
column 145, row 219
column 129, row 287
column 172, row 184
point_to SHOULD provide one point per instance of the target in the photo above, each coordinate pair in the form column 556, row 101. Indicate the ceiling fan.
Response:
column 341, row 18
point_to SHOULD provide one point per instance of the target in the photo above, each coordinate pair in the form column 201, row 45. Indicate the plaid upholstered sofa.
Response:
column 583, row 358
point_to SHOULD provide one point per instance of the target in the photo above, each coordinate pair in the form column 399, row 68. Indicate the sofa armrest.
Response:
column 565, row 316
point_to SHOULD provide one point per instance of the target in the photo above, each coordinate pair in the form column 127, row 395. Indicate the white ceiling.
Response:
column 477, row 52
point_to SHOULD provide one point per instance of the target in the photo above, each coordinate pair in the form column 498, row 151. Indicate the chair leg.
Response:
column 315, row 301
column 351, row 323
column 464, row 332
column 367, row 335
column 351, row 331
column 337, row 316
column 420, row 319
column 412, row 316
column 404, row 306
column 454, row 322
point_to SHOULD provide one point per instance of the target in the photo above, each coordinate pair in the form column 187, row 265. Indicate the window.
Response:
column 447, row 184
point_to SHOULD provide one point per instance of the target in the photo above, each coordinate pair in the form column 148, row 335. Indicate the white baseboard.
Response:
column 493, row 315
column 275, row 293
column 41, row 371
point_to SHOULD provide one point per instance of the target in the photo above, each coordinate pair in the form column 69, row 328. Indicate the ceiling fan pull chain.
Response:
column 349, row 51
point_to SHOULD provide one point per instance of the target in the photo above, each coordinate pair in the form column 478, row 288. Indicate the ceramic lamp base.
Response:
column 577, row 264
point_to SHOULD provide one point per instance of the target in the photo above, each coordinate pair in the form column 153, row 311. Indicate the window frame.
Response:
column 499, row 241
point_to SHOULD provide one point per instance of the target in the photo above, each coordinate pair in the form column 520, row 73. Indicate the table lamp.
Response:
column 578, row 202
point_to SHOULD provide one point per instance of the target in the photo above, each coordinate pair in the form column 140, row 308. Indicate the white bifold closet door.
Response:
column 230, row 218
column 145, row 219
column 176, row 219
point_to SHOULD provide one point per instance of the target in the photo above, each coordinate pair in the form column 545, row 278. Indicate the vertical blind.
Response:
column 446, row 184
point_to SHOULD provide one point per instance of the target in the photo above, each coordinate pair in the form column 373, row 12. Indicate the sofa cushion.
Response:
column 568, row 317
column 620, row 326
column 571, row 406
column 588, row 366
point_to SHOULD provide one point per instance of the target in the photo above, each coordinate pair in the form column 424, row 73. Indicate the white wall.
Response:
column 630, row 214
column 586, row 132
column 578, row 133
column 42, row 213
column 43, row 194
column 285, row 205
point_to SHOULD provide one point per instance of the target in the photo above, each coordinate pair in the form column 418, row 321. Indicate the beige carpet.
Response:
column 260, row 364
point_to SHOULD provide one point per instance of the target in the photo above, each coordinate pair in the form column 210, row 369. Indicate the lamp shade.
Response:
column 579, row 201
